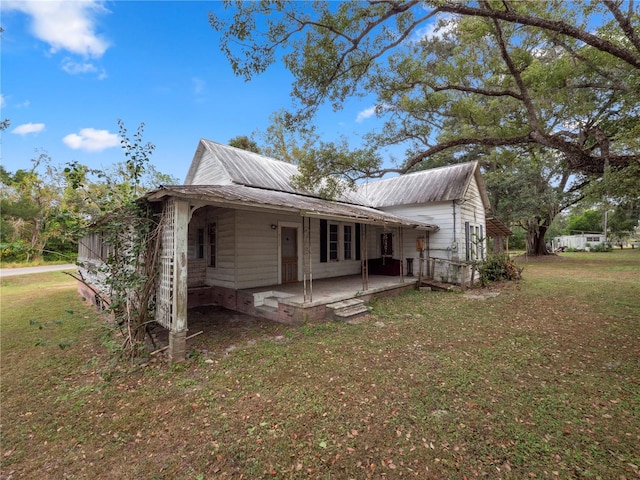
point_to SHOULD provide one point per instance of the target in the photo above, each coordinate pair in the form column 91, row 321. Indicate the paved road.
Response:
column 8, row 272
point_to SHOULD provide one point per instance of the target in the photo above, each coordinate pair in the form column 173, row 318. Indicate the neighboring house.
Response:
column 238, row 234
column 578, row 242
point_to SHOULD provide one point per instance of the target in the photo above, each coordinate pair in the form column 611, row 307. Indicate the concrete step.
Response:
column 437, row 286
column 270, row 313
column 345, row 303
column 350, row 312
column 271, row 302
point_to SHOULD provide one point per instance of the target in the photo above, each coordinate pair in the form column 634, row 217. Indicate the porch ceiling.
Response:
column 240, row 196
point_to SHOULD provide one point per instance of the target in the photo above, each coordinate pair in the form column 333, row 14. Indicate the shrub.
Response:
column 498, row 267
column 601, row 247
column 14, row 252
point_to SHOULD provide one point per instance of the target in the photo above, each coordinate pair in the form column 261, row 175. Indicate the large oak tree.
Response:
column 494, row 76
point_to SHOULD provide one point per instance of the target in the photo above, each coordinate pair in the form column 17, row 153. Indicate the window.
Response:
column 213, row 244
column 386, row 244
column 348, row 242
column 200, row 244
column 593, row 239
column 474, row 241
column 333, row 242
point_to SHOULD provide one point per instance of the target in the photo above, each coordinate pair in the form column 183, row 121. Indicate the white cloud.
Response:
column 65, row 25
column 437, row 28
column 25, row 104
column 75, row 68
column 3, row 101
column 27, row 128
column 79, row 68
column 364, row 114
column 91, row 140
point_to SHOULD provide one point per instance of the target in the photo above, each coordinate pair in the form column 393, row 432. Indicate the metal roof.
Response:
column 241, row 196
column 434, row 185
column 496, row 228
column 254, row 170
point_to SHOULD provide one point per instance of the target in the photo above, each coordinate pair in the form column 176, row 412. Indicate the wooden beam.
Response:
column 179, row 303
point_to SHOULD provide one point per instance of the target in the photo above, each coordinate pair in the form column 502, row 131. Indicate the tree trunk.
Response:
column 535, row 239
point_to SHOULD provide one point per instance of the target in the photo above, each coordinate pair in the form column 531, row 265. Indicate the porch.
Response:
column 286, row 303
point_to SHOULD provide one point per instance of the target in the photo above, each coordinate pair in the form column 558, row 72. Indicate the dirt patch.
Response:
column 223, row 330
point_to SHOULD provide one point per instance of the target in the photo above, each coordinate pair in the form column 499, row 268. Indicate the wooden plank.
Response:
column 180, row 247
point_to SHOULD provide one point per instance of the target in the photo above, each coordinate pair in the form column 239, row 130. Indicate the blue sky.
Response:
column 71, row 69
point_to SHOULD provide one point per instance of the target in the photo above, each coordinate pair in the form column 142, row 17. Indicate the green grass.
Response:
column 542, row 381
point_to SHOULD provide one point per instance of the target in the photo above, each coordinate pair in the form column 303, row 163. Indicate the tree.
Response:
column 623, row 222
column 492, row 77
column 130, row 229
column 245, row 143
column 106, row 190
column 33, row 210
column 497, row 52
column 529, row 188
column 281, row 143
column 589, row 221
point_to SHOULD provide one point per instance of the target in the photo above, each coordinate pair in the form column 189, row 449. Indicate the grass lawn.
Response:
column 541, row 381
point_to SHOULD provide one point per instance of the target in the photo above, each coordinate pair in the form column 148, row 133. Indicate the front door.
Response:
column 289, row 249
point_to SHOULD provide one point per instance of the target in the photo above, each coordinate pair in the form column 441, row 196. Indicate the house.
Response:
column 582, row 241
column 240, row 235
column 455, row 199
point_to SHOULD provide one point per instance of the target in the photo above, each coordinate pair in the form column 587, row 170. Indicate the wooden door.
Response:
column 289, row 254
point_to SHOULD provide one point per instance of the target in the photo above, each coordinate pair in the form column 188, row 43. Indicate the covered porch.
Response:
column 254, row 252
column 285, row 303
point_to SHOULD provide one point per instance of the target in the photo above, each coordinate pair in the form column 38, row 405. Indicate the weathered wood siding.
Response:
column 197, row 267
column 257, row 248
column 333, row 268
column 200, row 273
column 450, row 242
column 441, row 214
column 224, row 273
column 472, row 211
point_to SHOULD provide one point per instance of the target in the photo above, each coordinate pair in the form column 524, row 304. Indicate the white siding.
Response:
column 330, row 269
column 441, row 214
column 197, row 267
column 224, row 272
column 257, row 247
column 472, row 211
column 449, row 242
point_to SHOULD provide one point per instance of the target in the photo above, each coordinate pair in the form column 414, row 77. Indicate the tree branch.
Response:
column 479, row 91
column 558, row 26
column 624, row 22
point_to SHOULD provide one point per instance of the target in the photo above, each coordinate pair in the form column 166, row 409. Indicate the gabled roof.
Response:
column 242, row 196
column 217, row 164
column 434, row 185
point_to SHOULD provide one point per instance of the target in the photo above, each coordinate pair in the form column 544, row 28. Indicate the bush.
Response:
column 13, row 252
column 601, row 247
column 498, row 267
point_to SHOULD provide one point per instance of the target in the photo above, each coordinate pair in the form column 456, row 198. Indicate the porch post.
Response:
column 306, row 259
column 178, row 333
column 363, row 257
column 401, row 242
